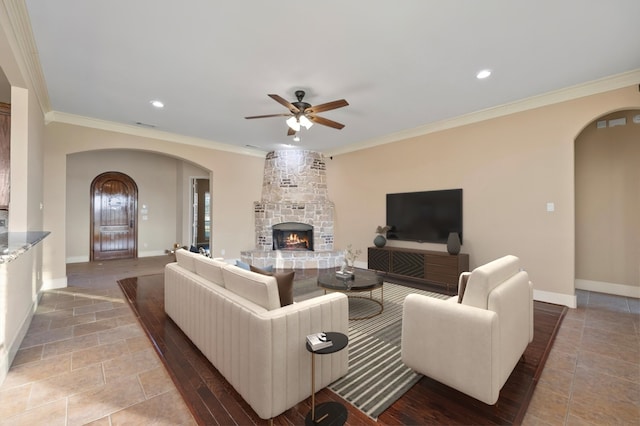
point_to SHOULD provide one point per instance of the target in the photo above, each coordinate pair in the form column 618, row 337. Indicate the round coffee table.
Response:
column 362, row 280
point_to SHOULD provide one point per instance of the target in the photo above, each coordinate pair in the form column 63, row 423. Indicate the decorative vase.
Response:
column 379, row 241
column 453, row 243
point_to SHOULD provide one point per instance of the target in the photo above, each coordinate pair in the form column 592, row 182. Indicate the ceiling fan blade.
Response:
column 291, row 132
column 325, row 122
column 268, row 115
column 294, row 109
column 328, row 106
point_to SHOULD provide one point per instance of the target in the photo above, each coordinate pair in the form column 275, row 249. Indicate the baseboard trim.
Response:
column 152, row 253
column 609, row 288
column 53, row 284
column 77, row 259
column 568, row 300
column 12, row 349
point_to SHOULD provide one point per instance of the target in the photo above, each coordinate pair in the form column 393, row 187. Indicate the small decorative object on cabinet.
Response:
column 453, row 243
column 380, row 240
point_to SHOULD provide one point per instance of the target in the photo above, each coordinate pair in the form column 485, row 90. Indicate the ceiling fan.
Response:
column 304, row 114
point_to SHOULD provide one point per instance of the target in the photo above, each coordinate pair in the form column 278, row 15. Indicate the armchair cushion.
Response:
column 485, row 278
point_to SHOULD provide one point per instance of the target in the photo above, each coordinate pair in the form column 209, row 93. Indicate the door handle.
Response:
column 131, row 223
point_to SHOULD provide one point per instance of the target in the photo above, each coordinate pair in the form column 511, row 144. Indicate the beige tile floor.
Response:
column 592, row 376
column 86, row 360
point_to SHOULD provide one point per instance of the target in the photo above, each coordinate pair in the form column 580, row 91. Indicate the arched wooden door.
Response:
column 114, row 205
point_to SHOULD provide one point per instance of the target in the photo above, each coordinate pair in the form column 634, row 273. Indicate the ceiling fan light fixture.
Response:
column 293, row 123
column 304, row 121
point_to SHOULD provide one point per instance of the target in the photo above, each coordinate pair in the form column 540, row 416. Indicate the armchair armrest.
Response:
column 454, row 344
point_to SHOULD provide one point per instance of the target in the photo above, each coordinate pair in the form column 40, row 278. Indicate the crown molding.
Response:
column 110, row 126
column 606, row 84
column 574, row 92
column 28, row 59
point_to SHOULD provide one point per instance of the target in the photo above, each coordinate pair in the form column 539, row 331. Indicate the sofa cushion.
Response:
column 186, row 259
column 257, row 288
column 285, row 284
column 210, row 269
column 485, row 278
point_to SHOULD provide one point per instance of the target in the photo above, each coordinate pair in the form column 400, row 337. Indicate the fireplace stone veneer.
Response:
column 294, row 190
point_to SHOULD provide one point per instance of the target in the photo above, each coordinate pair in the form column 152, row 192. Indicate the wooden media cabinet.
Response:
column 430, row 268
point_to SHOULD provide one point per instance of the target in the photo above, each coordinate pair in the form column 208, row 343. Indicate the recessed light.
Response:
column 157, row 104
column 483, row 74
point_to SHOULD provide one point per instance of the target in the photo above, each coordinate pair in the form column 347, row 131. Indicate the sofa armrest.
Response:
column 452, row 343
column 279, row 365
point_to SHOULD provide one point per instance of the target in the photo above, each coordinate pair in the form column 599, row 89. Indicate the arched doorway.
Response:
column 114, row 228
column 607, row 204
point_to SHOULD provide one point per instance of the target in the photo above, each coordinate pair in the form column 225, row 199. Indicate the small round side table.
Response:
column 327, row 413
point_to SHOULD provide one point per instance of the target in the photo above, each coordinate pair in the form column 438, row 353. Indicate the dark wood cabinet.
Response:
column 432, row 268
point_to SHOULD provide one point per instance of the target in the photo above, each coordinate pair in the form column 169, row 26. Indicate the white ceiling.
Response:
column 400, row 65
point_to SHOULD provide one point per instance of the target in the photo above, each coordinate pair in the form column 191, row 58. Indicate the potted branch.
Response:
column 381, row 238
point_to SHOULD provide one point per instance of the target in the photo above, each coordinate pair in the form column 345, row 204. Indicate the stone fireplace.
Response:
column 294, row 218
column 292, row 236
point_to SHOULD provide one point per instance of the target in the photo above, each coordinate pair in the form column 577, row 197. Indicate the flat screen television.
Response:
column 426, row 216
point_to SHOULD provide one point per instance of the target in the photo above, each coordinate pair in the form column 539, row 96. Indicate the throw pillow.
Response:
column 285, row 284
column 462, row 287
column 242, row 265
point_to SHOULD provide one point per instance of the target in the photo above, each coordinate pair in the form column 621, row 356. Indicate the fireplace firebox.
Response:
column 292, row 236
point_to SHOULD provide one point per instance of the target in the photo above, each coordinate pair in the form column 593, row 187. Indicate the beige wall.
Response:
column 509, row 169
column 608, row 204
column 236, row 184
column 160, row 182
column 21, row 278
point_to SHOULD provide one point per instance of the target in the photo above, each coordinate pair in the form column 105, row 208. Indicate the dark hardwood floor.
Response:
column 213, row 400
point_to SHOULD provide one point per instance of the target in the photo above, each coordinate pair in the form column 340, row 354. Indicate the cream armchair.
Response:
column 472, row 346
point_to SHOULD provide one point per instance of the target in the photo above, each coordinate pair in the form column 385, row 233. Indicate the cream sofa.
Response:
column 234, row 317
column 472, row 346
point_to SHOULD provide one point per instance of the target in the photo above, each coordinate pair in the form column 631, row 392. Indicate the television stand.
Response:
column 424, row 269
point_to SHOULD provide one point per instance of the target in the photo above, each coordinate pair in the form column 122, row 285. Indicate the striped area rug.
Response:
column 377, row 377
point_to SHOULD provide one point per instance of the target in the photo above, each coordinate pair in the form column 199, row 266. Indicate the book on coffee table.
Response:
column 318, row 341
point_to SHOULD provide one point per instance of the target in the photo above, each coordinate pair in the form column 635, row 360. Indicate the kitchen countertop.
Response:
column 13, row 244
